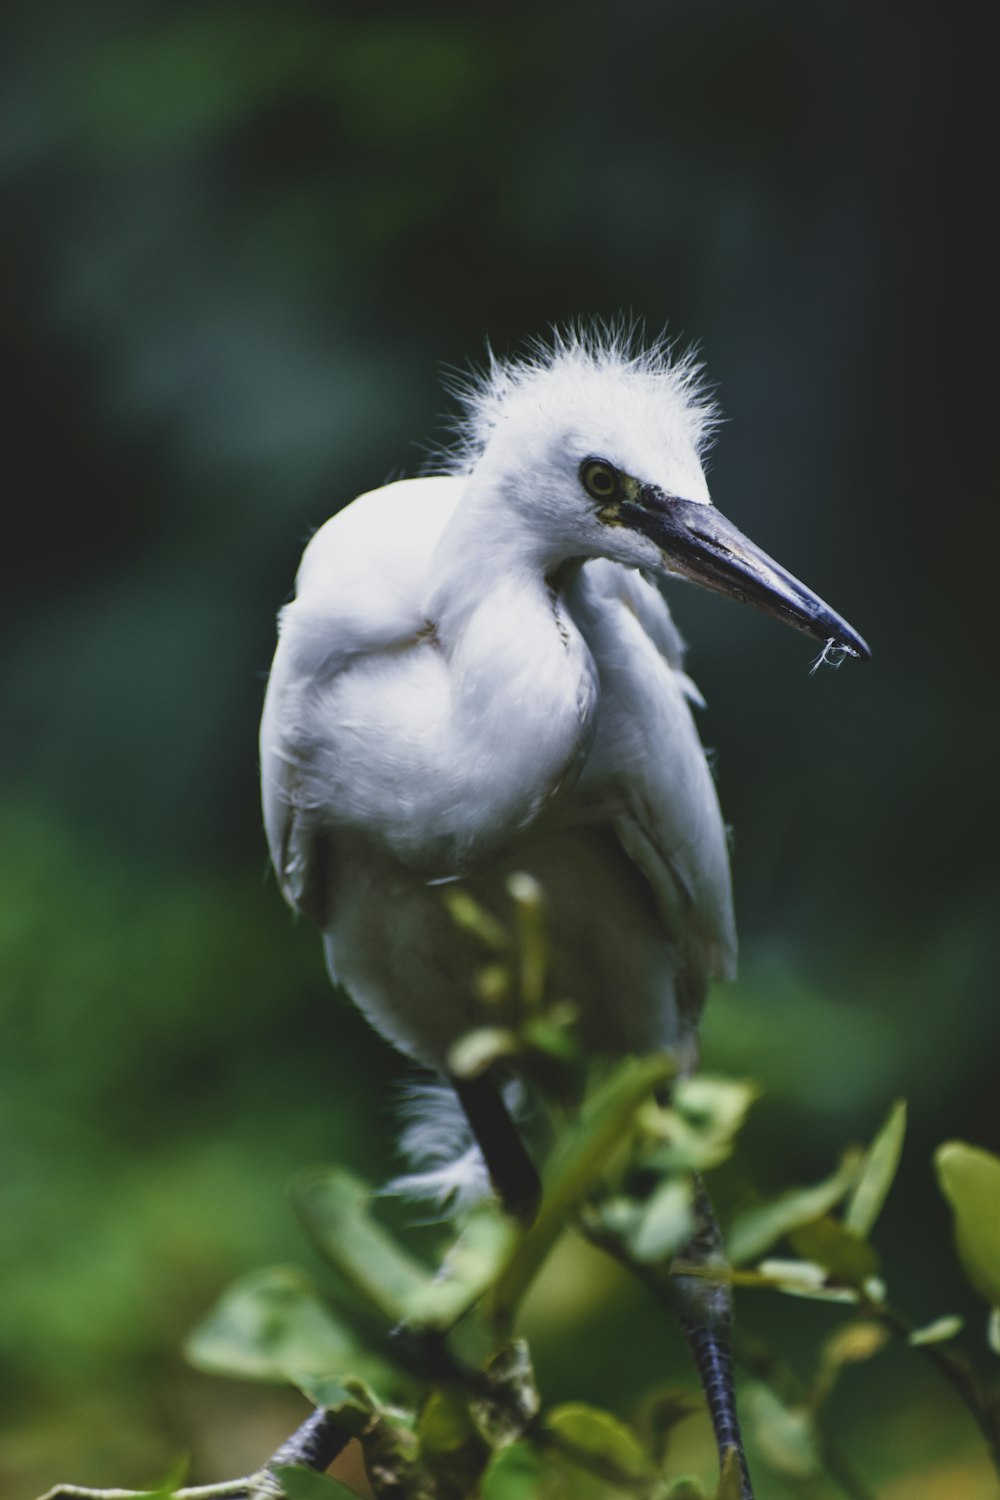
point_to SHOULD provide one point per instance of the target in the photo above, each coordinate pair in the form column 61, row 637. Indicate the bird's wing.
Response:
column 359, row 591
column 647, row 769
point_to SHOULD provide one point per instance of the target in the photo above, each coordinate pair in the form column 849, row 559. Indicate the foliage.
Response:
column 422, row 1363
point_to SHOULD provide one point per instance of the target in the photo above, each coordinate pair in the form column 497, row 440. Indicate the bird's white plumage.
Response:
column 474, row 678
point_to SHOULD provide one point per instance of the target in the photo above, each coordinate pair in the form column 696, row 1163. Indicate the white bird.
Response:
column 478, row 675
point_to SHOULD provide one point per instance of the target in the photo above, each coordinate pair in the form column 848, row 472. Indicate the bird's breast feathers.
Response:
column 564, row 702
column 440, row 750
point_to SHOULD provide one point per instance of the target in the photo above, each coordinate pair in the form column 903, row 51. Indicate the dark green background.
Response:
column 239, row 243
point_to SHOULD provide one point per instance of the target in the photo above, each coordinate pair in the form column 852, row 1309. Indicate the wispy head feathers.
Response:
column 583, row 366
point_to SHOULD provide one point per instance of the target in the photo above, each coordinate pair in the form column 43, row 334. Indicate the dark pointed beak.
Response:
column 699, row 543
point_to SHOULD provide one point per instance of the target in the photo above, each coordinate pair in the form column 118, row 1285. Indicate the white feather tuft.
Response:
column 436, row 1138
column 648, row 376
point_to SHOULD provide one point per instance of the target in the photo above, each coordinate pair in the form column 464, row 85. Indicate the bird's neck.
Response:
column 522, row 680
column 487, row 558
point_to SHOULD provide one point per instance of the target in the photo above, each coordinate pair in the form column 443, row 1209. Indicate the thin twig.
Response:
column 764, row 1365
column 984, row 1411
column 228, row 1489
column 314, row 1444
column 657, row 1282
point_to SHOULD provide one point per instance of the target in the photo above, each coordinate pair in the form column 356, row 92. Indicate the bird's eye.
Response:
column 599, row 479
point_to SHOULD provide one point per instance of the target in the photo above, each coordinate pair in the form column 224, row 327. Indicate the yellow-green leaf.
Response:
column 515, row 1473
column 665, row 1223
column 853, row 1343
column 936, row 1332
column 786, row 1435
column 478, row 1050
column 804, row 1278
column 970, row 1180
column 299, row 1483
column 271, row 1325
column 687, row 1487
column 755, row 1229
column 730, row 1477
column 477, row 1258
column 877, row 1173
column 597, row 1435
column 334, row 1206
column 579, row 1157
column 845, row 1256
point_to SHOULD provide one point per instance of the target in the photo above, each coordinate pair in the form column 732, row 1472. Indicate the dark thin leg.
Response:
column 511, row 1169
column 314, row 1445
column 705, row 1310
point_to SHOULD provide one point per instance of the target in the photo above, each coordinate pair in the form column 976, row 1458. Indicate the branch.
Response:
column 983, row 1406
column 314, row 1445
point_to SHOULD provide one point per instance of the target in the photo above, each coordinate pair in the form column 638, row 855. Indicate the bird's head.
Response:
column 596, row 447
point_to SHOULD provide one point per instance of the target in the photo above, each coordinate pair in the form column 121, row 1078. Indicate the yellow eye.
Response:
column 599, row 479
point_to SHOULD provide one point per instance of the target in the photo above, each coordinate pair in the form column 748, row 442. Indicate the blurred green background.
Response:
column 240, row 242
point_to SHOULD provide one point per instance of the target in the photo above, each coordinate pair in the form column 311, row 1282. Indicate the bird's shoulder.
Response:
column 359, row 596
column 370, row 559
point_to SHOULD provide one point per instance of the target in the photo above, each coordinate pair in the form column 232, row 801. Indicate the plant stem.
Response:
column 228, row 1489
column 656, row 1280
column 984, row 1411
column 765, row 1367
column 314, row 1444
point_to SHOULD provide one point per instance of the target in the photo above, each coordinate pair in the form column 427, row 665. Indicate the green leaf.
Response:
column 533, row 948
column 348, row 1396
column 715, row 1106
column 804, row 1278
column 467, row 914
column 271, row 1325
column 850, row 1344
column 478, row 1050
column 731, row 1477
column 970, row 1180
column 687, row 1487
column 300, row 1483
column 579, row 1157
column 993, row 1330
column 756, row 1229
column 666, row 1221
column 936, row 1332
column 552, row 1035
column 586, row 1433
column 334, row 1206
column 473, row 1264
column 785, row 1435
column 444, row 1424
column 451, row 1446
column 515, row 1473
column 877, row 1173
column 696, row 1130
column 845, row 1256
column 853, row 1343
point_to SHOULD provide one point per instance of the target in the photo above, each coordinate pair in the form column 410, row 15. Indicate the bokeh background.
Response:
column 240, row 241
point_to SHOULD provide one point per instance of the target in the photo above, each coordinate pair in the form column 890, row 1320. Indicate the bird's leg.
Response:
column 314, row 1445
column 705, row 1309
column 512, row 1172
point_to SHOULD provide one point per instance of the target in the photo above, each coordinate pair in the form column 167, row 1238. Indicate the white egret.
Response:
column 477, row 675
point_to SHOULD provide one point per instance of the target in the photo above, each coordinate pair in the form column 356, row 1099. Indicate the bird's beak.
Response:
column 699, row 543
